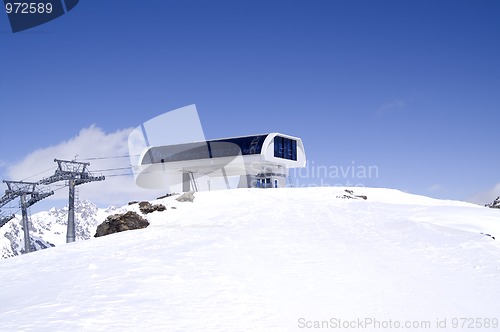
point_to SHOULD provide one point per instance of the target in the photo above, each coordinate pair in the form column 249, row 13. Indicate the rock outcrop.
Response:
column 186, row 197
column 166, row 195
column 495, row 204
column 120, row 223
column 350, row 195
column 147, row 207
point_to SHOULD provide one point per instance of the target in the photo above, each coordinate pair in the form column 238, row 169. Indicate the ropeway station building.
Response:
column 256, row 161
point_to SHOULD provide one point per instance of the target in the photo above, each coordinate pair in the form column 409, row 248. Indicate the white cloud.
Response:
column 486, row 196
column 435, row 187
column 392, row 106
column 91, row 142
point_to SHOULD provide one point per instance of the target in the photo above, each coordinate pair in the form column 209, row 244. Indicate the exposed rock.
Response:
column 489, row 235
column 167, row 195
column 147, row 207
column 186, row 197
column 495, row 204
column 350, row 195
column 121, row 222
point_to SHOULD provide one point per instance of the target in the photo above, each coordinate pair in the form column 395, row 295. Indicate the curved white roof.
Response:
column 236, row 156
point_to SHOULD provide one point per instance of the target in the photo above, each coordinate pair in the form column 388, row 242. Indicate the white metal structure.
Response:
column 244, row 162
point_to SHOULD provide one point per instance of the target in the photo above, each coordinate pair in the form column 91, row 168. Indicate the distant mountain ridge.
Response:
column 495, row 204
column 48, row 228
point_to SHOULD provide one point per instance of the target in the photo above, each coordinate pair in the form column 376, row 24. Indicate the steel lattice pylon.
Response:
column 75, row 173
column 22, row 189
column 5, row 219
column 5, row 199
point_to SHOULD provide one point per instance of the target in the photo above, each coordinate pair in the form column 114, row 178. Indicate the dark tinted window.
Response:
column 231, row 147
column 234, row 146
column 285, row 148
column 179, row 152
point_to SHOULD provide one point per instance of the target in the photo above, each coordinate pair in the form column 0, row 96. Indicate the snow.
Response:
column 266, row 260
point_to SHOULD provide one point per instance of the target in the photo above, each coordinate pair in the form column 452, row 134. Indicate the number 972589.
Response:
column 28, row 8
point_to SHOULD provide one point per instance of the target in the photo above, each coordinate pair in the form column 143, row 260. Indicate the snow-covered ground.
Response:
column 269, row 260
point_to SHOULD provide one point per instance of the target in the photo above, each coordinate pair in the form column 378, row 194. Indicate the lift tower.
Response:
column 75, row 173
column 4, row 219
column 21, row 189
column 5, row 199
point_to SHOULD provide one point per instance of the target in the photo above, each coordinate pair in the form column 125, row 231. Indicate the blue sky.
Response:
column 409, row 87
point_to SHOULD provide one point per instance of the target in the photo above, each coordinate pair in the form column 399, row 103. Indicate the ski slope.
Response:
column 268, row 260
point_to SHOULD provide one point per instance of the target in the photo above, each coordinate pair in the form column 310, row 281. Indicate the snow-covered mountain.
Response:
column 495, row 204
column 48, row 228
column 270, row 260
